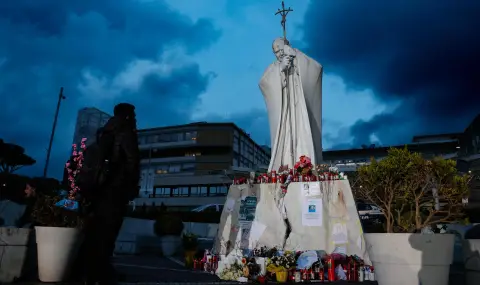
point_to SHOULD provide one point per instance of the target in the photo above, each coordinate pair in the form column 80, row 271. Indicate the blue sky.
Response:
column 392, row 70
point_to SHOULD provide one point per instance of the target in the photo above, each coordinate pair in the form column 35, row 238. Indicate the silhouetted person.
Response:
column 30, row 200
column 119, row 176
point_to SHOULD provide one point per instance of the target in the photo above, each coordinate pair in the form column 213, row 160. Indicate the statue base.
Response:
column 321, row 216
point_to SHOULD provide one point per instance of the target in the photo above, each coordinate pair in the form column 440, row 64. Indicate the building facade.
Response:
column 349, row 160
column 469, row 162
column 89, row 120
column 191, row 165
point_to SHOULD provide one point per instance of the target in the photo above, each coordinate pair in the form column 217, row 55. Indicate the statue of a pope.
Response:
column 292, row 88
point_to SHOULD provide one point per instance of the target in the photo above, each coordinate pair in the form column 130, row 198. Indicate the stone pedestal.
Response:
column 13, row 253
column 322, row 216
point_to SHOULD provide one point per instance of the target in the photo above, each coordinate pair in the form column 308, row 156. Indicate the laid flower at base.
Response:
column 302, row 171
column 304, row 165
column 232, row 272
column 284, row 262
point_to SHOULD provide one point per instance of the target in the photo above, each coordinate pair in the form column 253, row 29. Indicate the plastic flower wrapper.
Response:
column 68, row 204
column 340, row 273
column 306, row 259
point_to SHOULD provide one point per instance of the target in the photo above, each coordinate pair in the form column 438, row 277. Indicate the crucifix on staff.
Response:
column 284, row 12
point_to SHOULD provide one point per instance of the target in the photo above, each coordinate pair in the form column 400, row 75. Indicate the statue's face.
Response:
column 277, row 47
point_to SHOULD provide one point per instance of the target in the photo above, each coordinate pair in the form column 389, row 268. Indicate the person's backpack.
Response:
column 95, row 168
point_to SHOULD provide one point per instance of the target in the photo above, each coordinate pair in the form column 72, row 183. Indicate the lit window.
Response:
column 199, row 191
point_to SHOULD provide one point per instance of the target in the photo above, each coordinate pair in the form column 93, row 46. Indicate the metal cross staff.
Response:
column 284, row 12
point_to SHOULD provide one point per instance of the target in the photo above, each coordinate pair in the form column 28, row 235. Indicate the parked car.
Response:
column 369, row 213
column 209, row 208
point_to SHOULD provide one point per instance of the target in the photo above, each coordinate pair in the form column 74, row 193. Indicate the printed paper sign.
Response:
column 312, row 212
column 244, row 241
column 311, row 189
column 247, row 210
column 230, row 205
column 339, row 233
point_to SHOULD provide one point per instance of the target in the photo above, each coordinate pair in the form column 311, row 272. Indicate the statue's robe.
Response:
column 295, row 116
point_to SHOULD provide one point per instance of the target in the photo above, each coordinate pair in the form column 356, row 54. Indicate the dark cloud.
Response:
column 48, row 44
column 424, row 54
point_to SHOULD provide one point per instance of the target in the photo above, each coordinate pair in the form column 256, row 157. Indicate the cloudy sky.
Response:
column 393, row 69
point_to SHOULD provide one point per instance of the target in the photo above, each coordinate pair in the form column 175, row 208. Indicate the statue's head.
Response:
column 278, row 47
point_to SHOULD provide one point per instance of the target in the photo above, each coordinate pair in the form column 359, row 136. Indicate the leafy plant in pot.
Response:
column 169, row 228
column 190, row 247
column 413, row 194
column 59, row 224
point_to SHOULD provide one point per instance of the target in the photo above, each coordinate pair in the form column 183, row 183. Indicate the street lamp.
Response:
column 47, row 160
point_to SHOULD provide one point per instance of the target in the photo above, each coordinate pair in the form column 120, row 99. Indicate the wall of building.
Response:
column 89, row 120
column 186, row 165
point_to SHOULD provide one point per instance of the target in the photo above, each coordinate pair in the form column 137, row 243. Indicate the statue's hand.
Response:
column 286, row 62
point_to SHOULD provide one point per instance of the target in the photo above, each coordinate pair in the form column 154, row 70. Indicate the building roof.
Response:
column 383, row 151
column 95, row 109
column 432, row 138
column 202, row 125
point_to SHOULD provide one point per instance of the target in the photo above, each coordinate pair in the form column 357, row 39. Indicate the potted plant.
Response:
column 190, row 246
column 413, row 194
column 59, row 225
column 169, row 228
column 280, row 265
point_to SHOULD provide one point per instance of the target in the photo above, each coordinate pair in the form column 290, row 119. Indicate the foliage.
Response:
column 12, row 186
column 45, row 213
column 168, row 225
column 405, row 186
column 189, row 241
column 13, row 157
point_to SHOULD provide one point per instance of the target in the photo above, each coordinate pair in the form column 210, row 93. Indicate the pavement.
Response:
column 150, row 270
column 153, row 269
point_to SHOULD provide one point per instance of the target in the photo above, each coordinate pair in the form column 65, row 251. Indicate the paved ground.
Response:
column 150, row 270
column 158, row 270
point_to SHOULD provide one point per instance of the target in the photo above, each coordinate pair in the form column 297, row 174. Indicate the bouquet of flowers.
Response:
column 304, row 165
column 232, row 272
column 283, row 262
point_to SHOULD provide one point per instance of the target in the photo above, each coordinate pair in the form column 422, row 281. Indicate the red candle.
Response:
column 195, row 264
column 274, row 176
column 331, row 269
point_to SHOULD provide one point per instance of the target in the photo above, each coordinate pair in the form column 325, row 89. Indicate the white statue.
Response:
column 292, row 88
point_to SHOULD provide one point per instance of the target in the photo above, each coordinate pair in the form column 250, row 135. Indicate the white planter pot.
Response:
column 471, row 259
column 170, row 245
column 400, row 259
column 13, row 253
column 57, row 249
